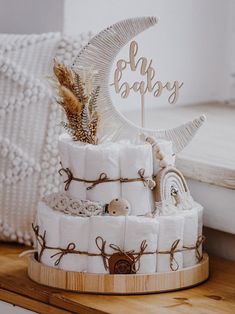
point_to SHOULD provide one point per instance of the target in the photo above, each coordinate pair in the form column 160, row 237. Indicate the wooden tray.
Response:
column 118, row 284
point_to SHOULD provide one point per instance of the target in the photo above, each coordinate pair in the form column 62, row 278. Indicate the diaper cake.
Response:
column 125, row 221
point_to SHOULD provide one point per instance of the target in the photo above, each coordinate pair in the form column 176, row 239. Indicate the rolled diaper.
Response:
column 103, row 161
column 200, row 225
column 170, row 238
column 74, row 230
column 49, row 222
column 73, row 156
column 132, row 159
column 140, row 229
column 109, row 229
column 167, row 151
column 199, row 209
column 190, row 237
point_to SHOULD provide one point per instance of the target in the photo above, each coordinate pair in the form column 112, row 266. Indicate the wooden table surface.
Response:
column 217, row 295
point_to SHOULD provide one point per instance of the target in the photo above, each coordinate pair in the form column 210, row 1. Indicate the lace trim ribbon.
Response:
column 101, row 245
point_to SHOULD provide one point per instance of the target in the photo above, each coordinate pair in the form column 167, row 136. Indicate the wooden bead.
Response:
column 151, row 140
column 159, row 155
column 163, row 163
column 157, row 148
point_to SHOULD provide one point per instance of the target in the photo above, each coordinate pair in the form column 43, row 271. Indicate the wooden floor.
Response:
column 216, row 296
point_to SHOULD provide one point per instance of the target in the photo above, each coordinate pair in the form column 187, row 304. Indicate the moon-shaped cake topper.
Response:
column 99, row 55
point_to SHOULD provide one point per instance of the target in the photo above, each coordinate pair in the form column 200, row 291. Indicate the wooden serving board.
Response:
column 118, row 284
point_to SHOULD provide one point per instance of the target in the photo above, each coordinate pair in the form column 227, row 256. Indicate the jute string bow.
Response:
column 103, row 178
column 197, row 246
column 101, row 245
column 174, row 265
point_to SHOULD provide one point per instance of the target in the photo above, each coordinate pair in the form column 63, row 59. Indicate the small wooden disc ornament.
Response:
column 120, row 263
column 119, row 207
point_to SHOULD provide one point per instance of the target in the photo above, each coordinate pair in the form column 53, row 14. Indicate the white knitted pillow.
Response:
column 29, row 126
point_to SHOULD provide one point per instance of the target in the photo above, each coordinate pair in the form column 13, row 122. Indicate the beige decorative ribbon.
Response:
column 103, row 178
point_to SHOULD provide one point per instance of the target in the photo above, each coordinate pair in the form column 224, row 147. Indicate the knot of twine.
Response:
column 143, row 247
column 101, row 243
column 199, row 242
column 69, row 174
column 119, row 250
column 147, row 181
column 41, row 239
column 197, row 246
column 173, row 262
column 102, row 178
column 69, row 249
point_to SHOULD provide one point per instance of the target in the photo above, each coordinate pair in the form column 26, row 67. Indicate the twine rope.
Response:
column 103, row 178
column 199, row 242
column 101, row 245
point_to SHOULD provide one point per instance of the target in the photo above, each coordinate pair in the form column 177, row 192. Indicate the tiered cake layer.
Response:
column 112, row 170
column 86, row 244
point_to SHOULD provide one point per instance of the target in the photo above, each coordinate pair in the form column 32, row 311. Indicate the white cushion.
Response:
column 29, row 126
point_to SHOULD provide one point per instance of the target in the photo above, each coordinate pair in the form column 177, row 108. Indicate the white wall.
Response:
column 189, row 43
column 231, row 51
column 31, row 16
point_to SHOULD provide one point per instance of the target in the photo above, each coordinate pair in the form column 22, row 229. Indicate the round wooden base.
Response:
column 118, row 284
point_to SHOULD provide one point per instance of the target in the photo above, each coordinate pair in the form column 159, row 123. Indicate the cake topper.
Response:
column 100, row 53
column 148, row 83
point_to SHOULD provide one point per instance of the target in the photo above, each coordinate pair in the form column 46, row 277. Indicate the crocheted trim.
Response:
column 63, row 203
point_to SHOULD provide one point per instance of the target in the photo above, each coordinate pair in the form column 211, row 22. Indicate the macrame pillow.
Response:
column 29, row 126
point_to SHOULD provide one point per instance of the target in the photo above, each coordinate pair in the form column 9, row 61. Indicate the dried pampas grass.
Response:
column 80, row 109
column 69, row 101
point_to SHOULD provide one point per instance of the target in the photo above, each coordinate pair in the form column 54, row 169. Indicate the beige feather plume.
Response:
column 69, row 101
column 80, row 109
